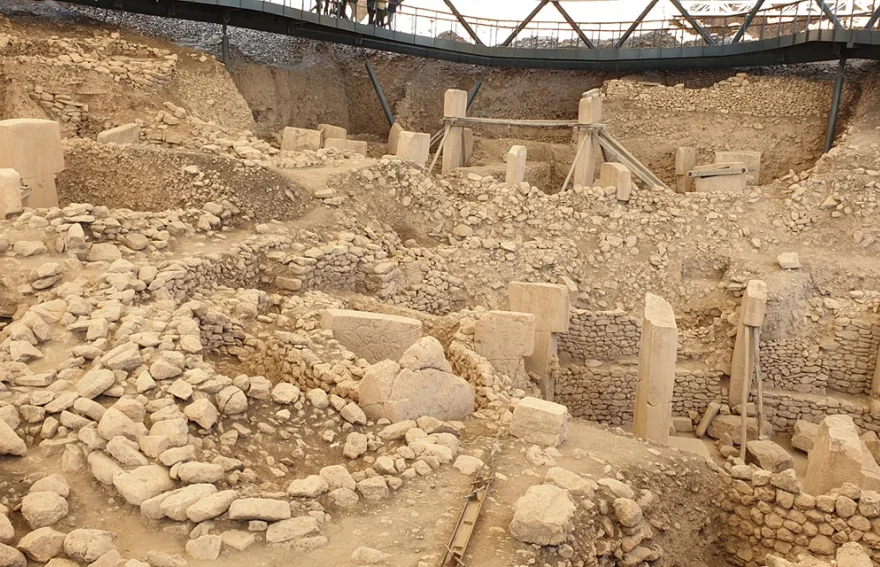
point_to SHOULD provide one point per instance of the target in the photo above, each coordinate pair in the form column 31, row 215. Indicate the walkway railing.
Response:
column 801, row 16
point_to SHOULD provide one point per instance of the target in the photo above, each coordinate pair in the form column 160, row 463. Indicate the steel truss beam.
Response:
column 635, row 24
column 874, row 17
column 467, row 27
column 829, row 13
column 748, row 21
column 694, row 23
column 524, row 23
column 574, row 25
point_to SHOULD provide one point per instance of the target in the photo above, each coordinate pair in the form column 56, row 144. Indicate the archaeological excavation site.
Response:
column 287, row 283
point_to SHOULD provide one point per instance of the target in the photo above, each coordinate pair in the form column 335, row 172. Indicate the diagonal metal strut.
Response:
column 467, row 27
column 829, row 13
column 524, row 23
column 874, row 17
column 748, row 21
column 634, row 25
column 574, row 25
column 694, row 23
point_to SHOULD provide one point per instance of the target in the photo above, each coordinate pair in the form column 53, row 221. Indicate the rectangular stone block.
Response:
column 585, row 169
column 804, row 435
column 613, row 174
column 124, row 135
column 836, row 456
column 516, row 165
column 540, row 422
column 505, row 335
column 590, row 109
column 333, row 132
column 10, row 193
column 751, row 160
column 298, row 139
column 455, row 103
column 31, row 147
column 685, row 160
column 347, row 145
column 393, row 138
column 549, row 302
column 546, row 347
column 414, row 147
column 372, row 336
column 721, row 184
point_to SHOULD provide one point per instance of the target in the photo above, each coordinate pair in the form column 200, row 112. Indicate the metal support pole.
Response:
column 574, row 26
column 634, row 25
column 224, row 46
column 694, row 23
column 835, row 105
column 474, row 92
column 829, row 13
column 522, row 25
column 467, row 27
column 378, row 88
column 748, row 21
column 874, row 17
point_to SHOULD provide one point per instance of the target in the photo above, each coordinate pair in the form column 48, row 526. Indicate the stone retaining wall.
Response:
column 601, row 335
column 769, row 513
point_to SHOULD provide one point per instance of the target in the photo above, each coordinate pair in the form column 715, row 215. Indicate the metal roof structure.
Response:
column 701, row 34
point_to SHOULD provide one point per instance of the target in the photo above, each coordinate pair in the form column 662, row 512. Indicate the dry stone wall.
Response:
column 764, row 96
column 607, row 393
column 769, row 513
column 602, row 335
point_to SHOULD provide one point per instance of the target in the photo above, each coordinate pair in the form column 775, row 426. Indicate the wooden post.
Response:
column 685, row 160
column 747, row 380
column 756, row 341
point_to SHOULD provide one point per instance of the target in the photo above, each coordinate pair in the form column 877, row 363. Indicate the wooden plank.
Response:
column 464, row 529
column 640, row 170
column 717, row 172
column 469, row 121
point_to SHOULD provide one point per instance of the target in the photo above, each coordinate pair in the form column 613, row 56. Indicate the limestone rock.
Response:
column 403, row 395
column 373, row 336
column 211, row 506
column 142, row 483
column 266, row 509
column 11, row 557
column 769, row 456
column 43, row 509
column 204, row 548
column 804, row 435
column 42, row 544
column 540, row 422
column 573, row 482
column 543, row 515
column 337, row 476
column 86, row 545
column 836, row 456
column 468, row 465
column 310, row 487
column 10, row 442
column 369, row 556
column 732, row 425
column 291, row 529
column 628, row 512
column 426, row 354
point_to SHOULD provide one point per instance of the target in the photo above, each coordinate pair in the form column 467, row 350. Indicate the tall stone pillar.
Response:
column 516, row 165
column 454, row 106
column 685, row 160
column 589, row 112
column 33, row 148
column 504, row 338
column 836, row 456
column 657, row 355
column 754, row 304
column 551, row 306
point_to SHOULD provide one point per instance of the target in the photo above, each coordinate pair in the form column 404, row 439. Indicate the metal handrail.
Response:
column 796, row 17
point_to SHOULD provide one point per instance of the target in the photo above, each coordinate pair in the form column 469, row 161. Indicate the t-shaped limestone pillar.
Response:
column 754, row 304
column 836, row 456
column 504, row 338
column 454, row 106
column 516, row 165
column 589, row 112
column 33, row 148
column 657, row 356
column 551, row 306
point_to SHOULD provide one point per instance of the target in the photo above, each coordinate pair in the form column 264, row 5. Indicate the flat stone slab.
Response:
column 373, row 336
column 768, row 455
column 540, row 422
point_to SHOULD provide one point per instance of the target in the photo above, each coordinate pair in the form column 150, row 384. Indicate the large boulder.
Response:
column 10, row 442
column 543, row 515
column 143, row 483
column 420, row 385
column 804, row 435
column 732, row 425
